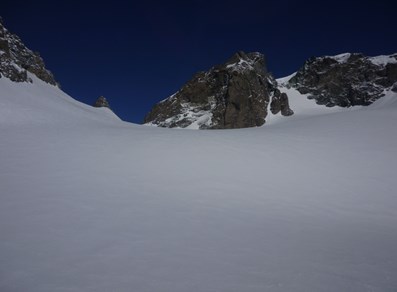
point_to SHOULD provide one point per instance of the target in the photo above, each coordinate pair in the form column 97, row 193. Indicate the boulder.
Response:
column 101, row 102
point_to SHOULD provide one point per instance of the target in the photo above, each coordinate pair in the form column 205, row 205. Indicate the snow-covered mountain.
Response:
column 347, row 79
column 241, row 93
column 91, row 203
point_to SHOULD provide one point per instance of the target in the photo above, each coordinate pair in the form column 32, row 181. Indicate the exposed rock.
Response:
column 346, row 80
column 232, row 95
column 101, row 102
column 280, row 104
column 394, row 87
column 16, row 60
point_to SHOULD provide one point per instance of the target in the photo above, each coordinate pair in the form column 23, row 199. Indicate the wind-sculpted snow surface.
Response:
column 89, row 203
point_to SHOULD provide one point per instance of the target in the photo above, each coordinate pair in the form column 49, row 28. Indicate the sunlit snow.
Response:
column 383, row 60
column 91, row 203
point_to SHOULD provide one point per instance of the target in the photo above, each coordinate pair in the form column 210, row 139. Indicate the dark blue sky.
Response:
column 136, row 53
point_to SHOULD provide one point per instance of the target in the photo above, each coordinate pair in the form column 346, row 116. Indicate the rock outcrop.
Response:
column 16, row 60
column 232, row 95
column 346, row 80
column 101, row 102
column 394, row 87
column 280, row 103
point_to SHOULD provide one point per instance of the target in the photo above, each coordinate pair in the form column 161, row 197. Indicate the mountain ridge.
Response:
column 16, row 60
column 343, row 80
column 239, row 93
column 346, row 80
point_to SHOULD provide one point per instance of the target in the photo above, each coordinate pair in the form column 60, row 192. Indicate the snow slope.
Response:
column 40, row 103
column 90, row 203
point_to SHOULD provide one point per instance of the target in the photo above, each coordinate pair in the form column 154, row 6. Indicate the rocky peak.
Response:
column 235, row 94
column 101, row 102
column 241, row 61
column 347, row 79
column 16, row 60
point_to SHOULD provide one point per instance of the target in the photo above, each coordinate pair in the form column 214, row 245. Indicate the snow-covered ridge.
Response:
column 283, row 81
column 383, row 60
column 341, row 58
column 40, row 103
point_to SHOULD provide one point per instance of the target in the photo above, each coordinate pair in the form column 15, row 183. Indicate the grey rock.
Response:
column 280, row 103
column 101, row 102
column 235, row 94
column 345, row 80
column 394, row 87
column 16, row 60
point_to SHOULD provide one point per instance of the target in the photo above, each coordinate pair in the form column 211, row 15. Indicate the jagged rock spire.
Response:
column 101, row 102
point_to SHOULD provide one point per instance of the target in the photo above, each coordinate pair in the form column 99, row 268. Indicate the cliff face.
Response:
column 16, row 60
column 235, row 94
column 346, row 80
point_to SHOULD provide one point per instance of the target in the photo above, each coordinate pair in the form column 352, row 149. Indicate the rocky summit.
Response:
column 101, row 102
column 347, row 79
column 16, row 60
column 236, row 94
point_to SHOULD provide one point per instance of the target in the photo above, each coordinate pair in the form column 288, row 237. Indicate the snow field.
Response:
column 90, row 203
